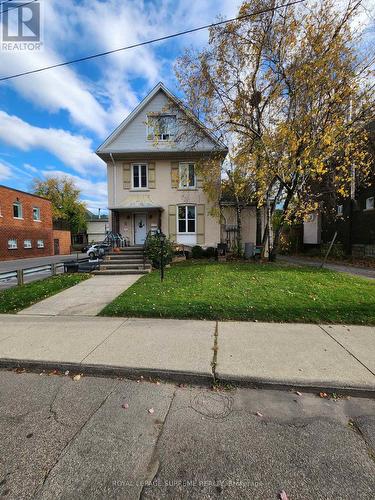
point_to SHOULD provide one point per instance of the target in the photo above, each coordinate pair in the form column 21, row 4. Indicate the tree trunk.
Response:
column 239, row 230
column 276, row 239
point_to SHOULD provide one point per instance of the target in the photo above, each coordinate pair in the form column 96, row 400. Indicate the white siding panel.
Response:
column 134, row 137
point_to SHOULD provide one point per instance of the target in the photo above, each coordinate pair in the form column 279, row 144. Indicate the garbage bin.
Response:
column 71, row 267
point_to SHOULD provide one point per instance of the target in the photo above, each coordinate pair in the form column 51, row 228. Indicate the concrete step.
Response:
column 138, row 262
column 108, row 265
column 121, row 256
column 115, row 272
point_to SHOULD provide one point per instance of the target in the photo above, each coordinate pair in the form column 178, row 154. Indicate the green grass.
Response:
column 248, row 292
column 15, row 299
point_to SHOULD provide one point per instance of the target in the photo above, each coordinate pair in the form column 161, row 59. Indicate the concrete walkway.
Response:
column 365, row 272
column 336, row 358
column 87, row 298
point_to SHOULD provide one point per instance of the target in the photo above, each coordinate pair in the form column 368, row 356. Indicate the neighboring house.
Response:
column 25, row 225
column 153, row 180
column 97, row 227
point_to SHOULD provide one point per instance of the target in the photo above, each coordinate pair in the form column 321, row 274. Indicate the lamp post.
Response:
column 162, row 241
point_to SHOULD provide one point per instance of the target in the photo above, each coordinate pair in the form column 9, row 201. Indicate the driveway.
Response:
column 341, row 268
column 12, row 265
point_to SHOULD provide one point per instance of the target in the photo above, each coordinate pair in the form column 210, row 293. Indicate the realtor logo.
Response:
column 21, row 26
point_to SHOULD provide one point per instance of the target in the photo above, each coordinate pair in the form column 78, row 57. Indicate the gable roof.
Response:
column 159, row 87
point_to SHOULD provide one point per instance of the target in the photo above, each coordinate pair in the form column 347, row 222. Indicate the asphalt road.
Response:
column 109, row 438
column 13, row 265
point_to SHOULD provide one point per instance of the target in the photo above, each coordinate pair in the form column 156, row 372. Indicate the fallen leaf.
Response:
column 76, row 378
column 125, row 406
column 67, row 372
column 323, row 395
column 283, row 495
column 258, row 414
column 151, row 410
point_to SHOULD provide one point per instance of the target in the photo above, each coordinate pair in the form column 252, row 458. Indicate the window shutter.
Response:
column 200, row 224
column 126, row 177
column 172, row 222
column 151, row 176
column 174, row 174
column 199, row 180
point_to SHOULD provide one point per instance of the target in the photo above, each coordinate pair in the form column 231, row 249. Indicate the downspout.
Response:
column 114, row 188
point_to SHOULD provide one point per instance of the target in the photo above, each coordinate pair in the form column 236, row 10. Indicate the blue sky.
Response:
column 52, row 122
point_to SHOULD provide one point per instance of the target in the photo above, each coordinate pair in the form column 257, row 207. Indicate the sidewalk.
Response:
column 365, row 272
column 331, row 358
column 87, row 298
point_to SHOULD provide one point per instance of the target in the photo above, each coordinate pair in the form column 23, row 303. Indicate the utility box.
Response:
column 312, row 229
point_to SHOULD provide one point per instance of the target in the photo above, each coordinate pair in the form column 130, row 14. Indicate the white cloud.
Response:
column 30, row 168
column 5, row 172
column 73, row 150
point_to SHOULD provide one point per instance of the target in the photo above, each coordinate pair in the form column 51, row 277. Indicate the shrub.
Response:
column 337, row 250
column 210, row 252
column 153, row 250
column 197, row 252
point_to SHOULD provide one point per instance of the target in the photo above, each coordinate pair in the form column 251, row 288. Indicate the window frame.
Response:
column 28, row 246
column 39, row 217
column 186, row 164
column 40, row 244
column 186, row 219
column 140, row 188
column 12, row 247
column 20, row 208
column 150, row 129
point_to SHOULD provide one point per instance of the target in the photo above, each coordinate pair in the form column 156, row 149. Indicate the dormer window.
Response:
column 161, row 127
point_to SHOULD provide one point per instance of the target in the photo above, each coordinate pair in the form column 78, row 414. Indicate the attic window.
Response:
column 161, row 127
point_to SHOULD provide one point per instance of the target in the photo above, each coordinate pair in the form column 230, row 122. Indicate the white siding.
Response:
column 133, row 138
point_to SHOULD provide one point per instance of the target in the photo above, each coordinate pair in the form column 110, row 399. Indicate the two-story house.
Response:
column 153, row 176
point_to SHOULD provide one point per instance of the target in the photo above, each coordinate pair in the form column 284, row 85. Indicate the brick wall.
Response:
column 64, row 238
column 25, row 228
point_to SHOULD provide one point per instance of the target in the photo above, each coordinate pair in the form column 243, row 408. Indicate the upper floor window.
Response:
column 187, row 175
column 140, row 179
column 27, row 244
column 370, row 203
column 36, row 213
column 161, row 127
column 17, row 210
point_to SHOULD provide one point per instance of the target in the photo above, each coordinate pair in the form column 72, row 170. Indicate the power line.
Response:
column 16, row 6
column 148, row 42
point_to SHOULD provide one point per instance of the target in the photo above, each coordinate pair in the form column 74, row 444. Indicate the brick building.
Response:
column 25, row 225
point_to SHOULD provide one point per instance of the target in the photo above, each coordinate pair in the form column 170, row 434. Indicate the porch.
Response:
column 134, row 223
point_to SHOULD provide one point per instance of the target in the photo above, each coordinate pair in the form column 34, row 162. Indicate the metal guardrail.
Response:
column 19, row 274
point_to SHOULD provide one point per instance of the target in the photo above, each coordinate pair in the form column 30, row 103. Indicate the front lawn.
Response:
column 15, row 299
column 242, row 291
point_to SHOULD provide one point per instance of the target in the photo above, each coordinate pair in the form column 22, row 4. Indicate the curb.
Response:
column 186, row 377
column 109, row 371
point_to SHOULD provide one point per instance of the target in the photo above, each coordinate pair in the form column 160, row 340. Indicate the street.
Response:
column 13, row 265
column 113, row 438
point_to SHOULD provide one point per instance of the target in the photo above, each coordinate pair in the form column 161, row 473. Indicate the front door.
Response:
column 140, row 228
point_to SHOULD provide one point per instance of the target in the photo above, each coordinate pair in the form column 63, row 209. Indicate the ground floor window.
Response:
column 27, row 244
column 40, row 244
column 12, row 244
column 186, row 219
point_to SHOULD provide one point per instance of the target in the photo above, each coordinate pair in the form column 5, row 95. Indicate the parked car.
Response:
column 98, row 251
